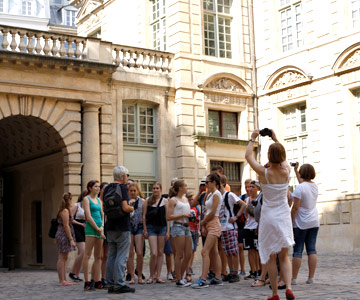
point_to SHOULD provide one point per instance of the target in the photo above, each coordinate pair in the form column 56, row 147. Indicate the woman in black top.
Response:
column 156, row 229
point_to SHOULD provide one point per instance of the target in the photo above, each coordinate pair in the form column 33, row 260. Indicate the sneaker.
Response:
column 251, row 276
column 123, row 289
column 201, row 283
column 210, row 275
column 73, row 277
column 191, row 271
column 89, row 285
column 110, row 289
column 104, row 283
column 128, row 277
column 170, row 277
column 310, row 281
column 182, row 283
column 293, row 281
column 242, row 273
column 226, row 277
column 234, row 278
column 99, row 285
column 215, row 281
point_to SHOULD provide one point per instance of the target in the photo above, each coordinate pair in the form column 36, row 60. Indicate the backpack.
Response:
column 241, row 220
column 113, row 202
column 226, row 201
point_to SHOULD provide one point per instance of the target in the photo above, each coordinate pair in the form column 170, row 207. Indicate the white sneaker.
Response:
column 170, row 277
column 182, row 283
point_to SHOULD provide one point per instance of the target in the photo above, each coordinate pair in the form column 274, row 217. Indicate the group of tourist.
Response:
column 266, row 224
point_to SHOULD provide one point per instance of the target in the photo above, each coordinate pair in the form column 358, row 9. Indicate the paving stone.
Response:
column 337, row 277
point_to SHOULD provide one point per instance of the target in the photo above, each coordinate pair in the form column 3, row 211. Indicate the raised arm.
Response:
column 249, row 156
column 298, row 176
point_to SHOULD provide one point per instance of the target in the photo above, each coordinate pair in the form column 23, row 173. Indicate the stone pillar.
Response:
column 90, row 144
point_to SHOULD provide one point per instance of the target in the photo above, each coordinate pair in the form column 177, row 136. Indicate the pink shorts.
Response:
column 214, row 227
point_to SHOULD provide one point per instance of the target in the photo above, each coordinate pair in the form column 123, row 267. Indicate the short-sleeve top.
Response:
column 307, row 216
column 224, row 212
column 209, row 203
column 250, row 221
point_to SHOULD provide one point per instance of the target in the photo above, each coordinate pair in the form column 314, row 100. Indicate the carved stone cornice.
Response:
column 348, row 61
column 225, row 84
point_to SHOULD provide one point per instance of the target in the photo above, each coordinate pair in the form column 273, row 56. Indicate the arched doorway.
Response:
column 32, row 176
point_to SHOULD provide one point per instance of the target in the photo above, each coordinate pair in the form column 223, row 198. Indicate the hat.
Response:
column 203, row 181
column 255, row 182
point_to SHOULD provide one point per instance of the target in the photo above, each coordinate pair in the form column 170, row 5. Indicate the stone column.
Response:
column 90, row 144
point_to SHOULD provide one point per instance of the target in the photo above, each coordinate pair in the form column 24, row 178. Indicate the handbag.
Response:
column 53, row 228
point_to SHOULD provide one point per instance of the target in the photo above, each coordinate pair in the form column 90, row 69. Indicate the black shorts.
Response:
column 240, row 236
column 79, row 232
column 250, row 239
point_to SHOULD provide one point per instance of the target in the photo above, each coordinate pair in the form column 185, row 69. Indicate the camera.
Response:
column 292, row 164
column 265, row 132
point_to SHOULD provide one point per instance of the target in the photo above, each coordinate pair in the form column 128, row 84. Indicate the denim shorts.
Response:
column 155, row 230
column 180, row 230
column 167, row 248
column 139, row 230
column 307, row 237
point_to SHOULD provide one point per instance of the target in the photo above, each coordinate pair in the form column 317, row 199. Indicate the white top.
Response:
column 80, row 213
column 209, row 203
column 307, row 216
column 275, row 229
column 224, row 212
column 250, row 221
column 181, row 208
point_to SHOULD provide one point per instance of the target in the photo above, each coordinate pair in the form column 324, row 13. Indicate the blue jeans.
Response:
column 119, row 244
column 307, row 237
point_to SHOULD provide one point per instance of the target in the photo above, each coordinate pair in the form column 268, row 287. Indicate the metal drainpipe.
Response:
column 254, row 77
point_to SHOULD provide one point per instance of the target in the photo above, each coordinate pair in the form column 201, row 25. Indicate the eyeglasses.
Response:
column 128, row 175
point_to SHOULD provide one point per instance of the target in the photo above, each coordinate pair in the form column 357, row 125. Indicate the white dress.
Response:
column 275, row 229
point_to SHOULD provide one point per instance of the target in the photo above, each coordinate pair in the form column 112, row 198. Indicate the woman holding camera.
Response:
column 275, row 230
column 305, row 219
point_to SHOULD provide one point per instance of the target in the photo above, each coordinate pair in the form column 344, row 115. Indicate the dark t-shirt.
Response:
column 123, row 223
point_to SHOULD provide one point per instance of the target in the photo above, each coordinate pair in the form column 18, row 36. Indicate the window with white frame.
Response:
column 291, row 24
column 27, row 7
column 355, row 13
column 70, row 18
column 138, row 124
column 1, row 5
column 295, row 136
column 146, row 187
column 158, row 24
column 217, row 28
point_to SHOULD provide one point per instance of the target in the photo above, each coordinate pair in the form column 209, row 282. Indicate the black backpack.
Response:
column 113, row 202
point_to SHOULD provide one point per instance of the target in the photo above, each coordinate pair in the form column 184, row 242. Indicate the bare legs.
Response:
column 183, row 246
column 61, row 266
column 242, row 257
column 211, row 248
column 138, row 240
column 285, row 268
column 79, row 259
column 296, row 264
column 157, row 255
column 90, row 244
column 104, row 257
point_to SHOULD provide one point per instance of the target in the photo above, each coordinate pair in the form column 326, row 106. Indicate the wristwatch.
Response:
column 252, row 140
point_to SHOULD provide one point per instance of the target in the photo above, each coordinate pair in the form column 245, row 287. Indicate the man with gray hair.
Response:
column 117, row 209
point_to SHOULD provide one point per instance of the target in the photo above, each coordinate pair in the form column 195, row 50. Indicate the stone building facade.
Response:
column 308, row 91
column 175, row 100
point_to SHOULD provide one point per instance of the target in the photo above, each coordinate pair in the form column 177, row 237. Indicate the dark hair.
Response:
column 174, row 190
column 91, row 183
column 65, row 203
column 82, row 195
column 151, row 199
column 103, row 184
column 217, row 168
column 307, row 172
column 223, row 180
column 216, row 178
column 277, row 153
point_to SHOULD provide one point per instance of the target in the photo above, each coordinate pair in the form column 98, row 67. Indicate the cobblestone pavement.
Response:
column 337, row 277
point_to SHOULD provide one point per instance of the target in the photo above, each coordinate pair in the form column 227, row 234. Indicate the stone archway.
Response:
column 40, row 158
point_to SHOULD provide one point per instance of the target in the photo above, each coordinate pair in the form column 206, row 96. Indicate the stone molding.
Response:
column 286, row 78
column 348, row 60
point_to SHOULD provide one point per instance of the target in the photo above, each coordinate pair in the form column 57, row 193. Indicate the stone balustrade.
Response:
column 139, row 58
column 35, row 42
column 42, row 43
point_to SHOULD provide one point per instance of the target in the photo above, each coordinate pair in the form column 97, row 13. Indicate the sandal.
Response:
column 132, row 281
column 159, row 280
column 149, row 281
column 140, row 281
column 258, row 283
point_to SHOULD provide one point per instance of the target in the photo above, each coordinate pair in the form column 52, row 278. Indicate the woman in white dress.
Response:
column 275, row 230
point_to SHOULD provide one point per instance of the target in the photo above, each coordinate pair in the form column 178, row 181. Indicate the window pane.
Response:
column 229, row 125
column 214, row 123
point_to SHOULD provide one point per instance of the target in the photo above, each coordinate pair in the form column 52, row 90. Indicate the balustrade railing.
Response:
column 42, row 43
column 138, row 58
column 29, row 41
